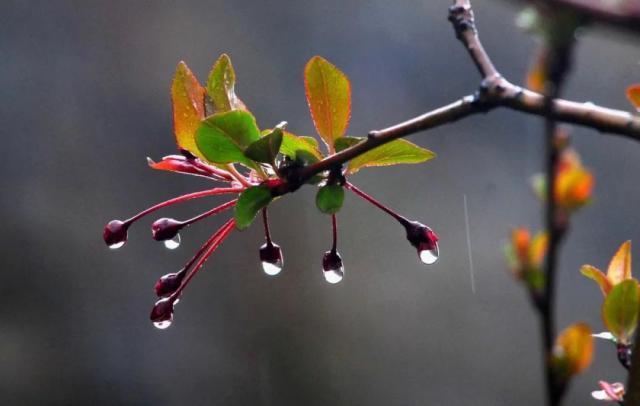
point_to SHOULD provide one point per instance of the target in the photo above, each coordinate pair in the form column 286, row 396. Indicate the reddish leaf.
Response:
column 598, row 276
column 187, row 97
column 329, row 98
column 633, row 94
column 620, row 265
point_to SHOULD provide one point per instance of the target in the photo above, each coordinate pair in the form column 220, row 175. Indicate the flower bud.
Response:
column 271, row 258
column 424, row 240
column 169, row 283
column 115, row 233
column 162, row 313
column 333, row 267
column 165, row 228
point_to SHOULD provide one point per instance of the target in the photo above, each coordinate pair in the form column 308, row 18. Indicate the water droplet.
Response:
column 333, row 267
column 271, row 258
column 117, row 245
column 173, row 243
column 272, row 269
column 334, row 275
column 162, row 324
column 429, row 257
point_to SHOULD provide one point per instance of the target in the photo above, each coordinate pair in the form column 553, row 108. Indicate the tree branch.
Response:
column 494, row 91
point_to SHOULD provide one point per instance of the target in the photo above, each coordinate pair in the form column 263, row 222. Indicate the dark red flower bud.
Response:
column 424, row 240
column 162, row 313
column 271, row 258
column 115, row 233
column 169, row 283
column 165, row 228
column 332, row 267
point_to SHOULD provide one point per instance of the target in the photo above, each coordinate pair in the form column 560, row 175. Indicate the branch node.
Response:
column 462, row 19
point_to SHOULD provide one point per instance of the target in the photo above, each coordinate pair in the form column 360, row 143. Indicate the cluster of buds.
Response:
column 525, row 256
column 218, row 139
column 573, row 182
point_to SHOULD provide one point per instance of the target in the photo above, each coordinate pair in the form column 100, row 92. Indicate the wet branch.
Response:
column 494, row 91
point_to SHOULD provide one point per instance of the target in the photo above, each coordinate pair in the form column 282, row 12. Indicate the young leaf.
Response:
column 600, row 278
column 223, row 137
column 187, row 98
column 620, row 265
column 343, row 143
column 573, row 350
column 329, row 98
column 266, row 148
column 249, row 204
column 620, row 310
column 291, row 144
column 221, row 86
column 399, row 151
column 633, row 94
column 330, row 198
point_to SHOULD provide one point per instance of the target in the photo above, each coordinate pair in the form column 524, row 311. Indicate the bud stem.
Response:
column 211, row 212
column 376, row 203
column 207, row 249
column 265, row 221
column 184, row 198
column 334, row 226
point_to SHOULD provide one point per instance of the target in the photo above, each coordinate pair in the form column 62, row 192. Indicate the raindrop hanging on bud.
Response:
column 173, row 243
column 162, row 313
column 332, row 267
column 165, row 229
column 115, row 233
column 424, row 240
column 169, row 283
column 271, row 258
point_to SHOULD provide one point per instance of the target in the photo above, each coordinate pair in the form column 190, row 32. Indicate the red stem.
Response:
column 211, row 245
column 265, row 221
column 184, row 198
column 334, row 226
column 211, row 212
column 376, row 203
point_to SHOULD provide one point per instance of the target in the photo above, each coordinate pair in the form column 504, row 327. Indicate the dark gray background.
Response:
column 84, row 99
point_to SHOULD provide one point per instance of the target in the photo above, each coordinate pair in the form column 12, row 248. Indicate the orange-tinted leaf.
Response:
column 521, row 239
column 537, row 75
column 187, row 97
column 538, row 248
column 573, row 350
column 633, row 94
column 620, row 310
column 178, row 163
column 598, row 276
column 329, row 98
column 620, row 265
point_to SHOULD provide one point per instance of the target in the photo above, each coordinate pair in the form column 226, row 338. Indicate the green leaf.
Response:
column 399, row 151
column 329, row 98
column 330, row 198
column 292, row 143
column 620, row 310
column 343, row 143
column 223, row 137
column 221, row 86
column 266, row 148
column 249, row 204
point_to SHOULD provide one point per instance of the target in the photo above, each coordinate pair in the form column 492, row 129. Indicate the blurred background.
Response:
column 84, row 100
